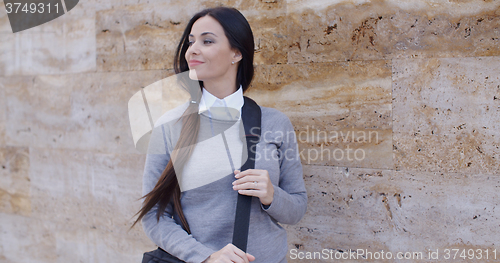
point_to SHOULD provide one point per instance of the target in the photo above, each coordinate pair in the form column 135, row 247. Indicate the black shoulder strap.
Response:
column 251, row 117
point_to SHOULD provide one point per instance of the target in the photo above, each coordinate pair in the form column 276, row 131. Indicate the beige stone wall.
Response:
column 396, row 105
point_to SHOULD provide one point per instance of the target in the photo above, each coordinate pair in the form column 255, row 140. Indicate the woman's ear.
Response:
column 237, row 56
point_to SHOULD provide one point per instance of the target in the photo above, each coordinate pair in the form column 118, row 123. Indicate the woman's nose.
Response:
column 193, row 49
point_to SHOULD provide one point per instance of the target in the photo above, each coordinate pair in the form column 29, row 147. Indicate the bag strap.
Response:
column 251, row 117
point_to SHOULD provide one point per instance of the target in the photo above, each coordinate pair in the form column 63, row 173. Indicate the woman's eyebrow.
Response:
column 204, row 33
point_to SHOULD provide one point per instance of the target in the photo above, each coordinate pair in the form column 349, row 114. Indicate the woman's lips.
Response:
column 193, row 63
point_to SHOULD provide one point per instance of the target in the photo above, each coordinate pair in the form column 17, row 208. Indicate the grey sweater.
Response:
column 207, row 197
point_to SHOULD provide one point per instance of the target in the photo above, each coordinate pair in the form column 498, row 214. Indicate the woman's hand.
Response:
column 228, row 254
column 255, row 182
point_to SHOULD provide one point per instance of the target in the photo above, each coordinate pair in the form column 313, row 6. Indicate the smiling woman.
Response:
column 190, row 212
column 211, row 58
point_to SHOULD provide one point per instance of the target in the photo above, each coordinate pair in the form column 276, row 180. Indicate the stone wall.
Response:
column 396, row 105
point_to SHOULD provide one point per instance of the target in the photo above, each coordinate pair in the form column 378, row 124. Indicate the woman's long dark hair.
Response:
column 239, row 34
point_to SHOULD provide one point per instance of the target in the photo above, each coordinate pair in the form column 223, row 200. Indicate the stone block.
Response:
column 2, row 133
column 25, row 239
column 3, row 110
column 18, row 128
column 145, row 36
column 63, row 45
column 116, row 190
column 395, row 211
column 446, row 114
column 137, row 37
column 7, row 57
column 80, row 206
column 324, row 31
column 15, row 181
column 341, row 111
column 83, row 244
column 82, row 111
column 268, row 21
column 92, row 190
column 4, row 20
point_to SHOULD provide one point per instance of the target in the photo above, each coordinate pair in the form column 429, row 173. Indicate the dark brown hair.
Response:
column 239, row 34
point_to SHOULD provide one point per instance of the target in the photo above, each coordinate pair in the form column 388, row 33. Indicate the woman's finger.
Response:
column 235, row 258
column 248, row 184
column 241, row 257
column 237, row 254
column 239, row 174
column 250, row 177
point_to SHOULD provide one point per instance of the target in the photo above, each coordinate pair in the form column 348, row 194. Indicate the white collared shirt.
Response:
column 230, row 130
column 234, row 100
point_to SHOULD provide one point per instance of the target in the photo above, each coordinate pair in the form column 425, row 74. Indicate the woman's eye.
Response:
column 207, row 41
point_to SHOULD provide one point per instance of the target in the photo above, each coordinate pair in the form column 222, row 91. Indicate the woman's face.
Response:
column 209, row 54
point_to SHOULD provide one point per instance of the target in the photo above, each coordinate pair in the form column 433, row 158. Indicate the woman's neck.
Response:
column 220, row 91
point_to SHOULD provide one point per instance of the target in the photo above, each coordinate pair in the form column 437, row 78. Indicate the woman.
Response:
column 190, row 202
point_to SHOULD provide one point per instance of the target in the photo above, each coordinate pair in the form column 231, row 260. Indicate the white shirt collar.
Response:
column 234, row 100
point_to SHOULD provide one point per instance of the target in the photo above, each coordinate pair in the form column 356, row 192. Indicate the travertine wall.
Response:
column 396, row 106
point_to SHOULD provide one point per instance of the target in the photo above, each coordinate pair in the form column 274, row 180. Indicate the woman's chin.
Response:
column 193, row 75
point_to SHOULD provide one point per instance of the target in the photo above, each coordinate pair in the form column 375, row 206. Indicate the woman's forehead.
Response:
column 207, row 24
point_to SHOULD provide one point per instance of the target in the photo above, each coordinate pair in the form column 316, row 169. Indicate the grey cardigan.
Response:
column 209, row 205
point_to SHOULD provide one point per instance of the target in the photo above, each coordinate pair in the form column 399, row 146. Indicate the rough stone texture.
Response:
column 396, row 211
column 81, row 111
column 145, row 36
column 341, row 111
column 64, row 45
column 15, row 181
column 323, row 31
column 422, row 75
column 2, row 132
column 2, row 114
column 37, row 240
column 137, row 37
column 447, row 115
column 7, row 40
column 65, row 183
column 82, row 204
